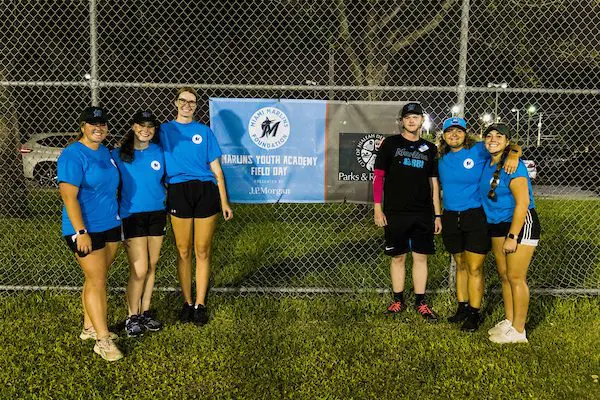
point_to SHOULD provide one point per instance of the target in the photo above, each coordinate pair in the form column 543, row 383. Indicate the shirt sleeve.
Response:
column 213, row 149
column 482, row 152
column 70, row 168
column 521, row 172
column 382, row 158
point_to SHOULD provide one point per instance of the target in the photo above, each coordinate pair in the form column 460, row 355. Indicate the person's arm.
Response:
column 437, row 204
column 520, row 190
column 512, row 161
column 378, row 181
column 69, row 193
column 215, row 167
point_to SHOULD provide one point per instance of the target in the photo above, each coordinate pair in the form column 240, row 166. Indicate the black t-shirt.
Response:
column 408, row 167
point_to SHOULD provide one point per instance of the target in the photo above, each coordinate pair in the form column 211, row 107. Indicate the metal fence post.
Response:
column 462, row 59
column 94, row 53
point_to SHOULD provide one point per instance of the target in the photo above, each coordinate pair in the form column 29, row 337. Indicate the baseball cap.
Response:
column 93, row 115
column 501, row 128
column 411, row 108
column 141, row 117
column 454, row 121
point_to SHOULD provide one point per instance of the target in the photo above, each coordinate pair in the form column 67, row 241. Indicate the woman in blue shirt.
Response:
column 196, row 194
column 515, row 230
column 141, row 164
column 464, row 233
column 88, row 181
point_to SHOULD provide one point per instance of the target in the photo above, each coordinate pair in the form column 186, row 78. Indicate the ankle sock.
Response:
column 399, row 296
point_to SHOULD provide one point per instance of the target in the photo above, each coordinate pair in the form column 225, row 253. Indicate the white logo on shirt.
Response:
column 423, row 148
column 155, row 165
column 468, row 163
column 113, row 163
column 197, row 139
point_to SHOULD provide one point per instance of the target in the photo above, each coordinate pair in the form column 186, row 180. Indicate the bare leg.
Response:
column 518, row 263
column 183, row 231
column 154, row 245
column 419, row 272
column 462, row 278
column 137, row 253
column 204, row 229
column 95, row 269
column 474, row 263
column 110, row 253
column 497, row 243
column 398, row 272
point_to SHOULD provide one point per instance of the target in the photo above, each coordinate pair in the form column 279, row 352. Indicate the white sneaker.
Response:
column 107, row 349
column 500, row 327
column 510, row 336
column 87, row 334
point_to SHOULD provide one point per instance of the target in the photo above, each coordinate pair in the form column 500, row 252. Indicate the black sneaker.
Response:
column 133, row 326
column 149, row 323
column 472, row 322
column 427, row 313
column 200, row 315
column 462, row 313
column 187, row 313
column 395, row 308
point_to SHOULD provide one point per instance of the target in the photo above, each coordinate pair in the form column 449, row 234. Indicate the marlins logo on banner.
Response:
column 269, row 128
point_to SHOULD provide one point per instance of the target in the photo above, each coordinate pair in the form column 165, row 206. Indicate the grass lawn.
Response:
column 261, row 347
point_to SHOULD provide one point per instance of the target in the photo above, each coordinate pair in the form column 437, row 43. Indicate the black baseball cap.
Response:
column 501, row 128
column 142, row 117
column 411, row 108
column 93, row 115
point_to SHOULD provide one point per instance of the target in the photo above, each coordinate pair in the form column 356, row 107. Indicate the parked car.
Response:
column 584, row 170
column 550, row 163
column 40, row 154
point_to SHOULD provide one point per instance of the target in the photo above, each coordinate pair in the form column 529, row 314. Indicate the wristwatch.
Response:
column 82, row 232
column 510, row 236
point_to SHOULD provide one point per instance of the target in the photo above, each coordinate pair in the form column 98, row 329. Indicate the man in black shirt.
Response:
column 406, row 176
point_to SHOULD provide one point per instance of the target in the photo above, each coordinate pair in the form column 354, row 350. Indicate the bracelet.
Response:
column 438, row 215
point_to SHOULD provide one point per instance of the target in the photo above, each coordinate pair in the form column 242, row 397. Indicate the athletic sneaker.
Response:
column 90, row 333
column 472, row 322
column 462, row 313
column 107, row 349
column 133, row 326
column 200, row 315
column 510, row 336
column 500, row 327
column 427, row 313
column 187, row 313
column 149, row 323
column 395, row 308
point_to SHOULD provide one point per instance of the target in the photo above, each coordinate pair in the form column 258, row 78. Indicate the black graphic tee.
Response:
column 408, row 167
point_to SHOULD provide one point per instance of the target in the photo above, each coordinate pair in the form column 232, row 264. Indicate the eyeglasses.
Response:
column 183, row 102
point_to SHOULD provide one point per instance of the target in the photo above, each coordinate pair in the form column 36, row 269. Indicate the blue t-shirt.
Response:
column 189, row 149
column 502, row 209
column 460, row 173
column 95, row 173
column 142, row 188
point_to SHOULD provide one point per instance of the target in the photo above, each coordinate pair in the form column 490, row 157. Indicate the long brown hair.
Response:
column 444, row 149
column 496, row 175
column 127, row 153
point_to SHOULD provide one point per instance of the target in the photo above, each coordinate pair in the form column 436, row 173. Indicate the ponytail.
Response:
column 496, row 175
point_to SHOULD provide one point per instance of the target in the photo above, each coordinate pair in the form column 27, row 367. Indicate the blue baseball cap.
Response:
column 455, row 121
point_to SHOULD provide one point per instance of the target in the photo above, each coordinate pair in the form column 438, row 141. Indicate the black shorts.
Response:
column 409, row 232
column 153, row 223
column 193, row 199
column 99, row 239
column 530, row 233
column 465, row 231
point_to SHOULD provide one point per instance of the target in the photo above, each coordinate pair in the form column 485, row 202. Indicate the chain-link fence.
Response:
column 535, row 65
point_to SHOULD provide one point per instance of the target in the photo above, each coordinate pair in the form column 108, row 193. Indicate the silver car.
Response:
column 40, row 154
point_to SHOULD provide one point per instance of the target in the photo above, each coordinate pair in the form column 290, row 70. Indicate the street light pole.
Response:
column 516, row 110
column 539, row 135
column 502, row 85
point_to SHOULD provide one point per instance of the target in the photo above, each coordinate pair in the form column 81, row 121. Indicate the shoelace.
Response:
column 424, row 309
column 395, row 306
